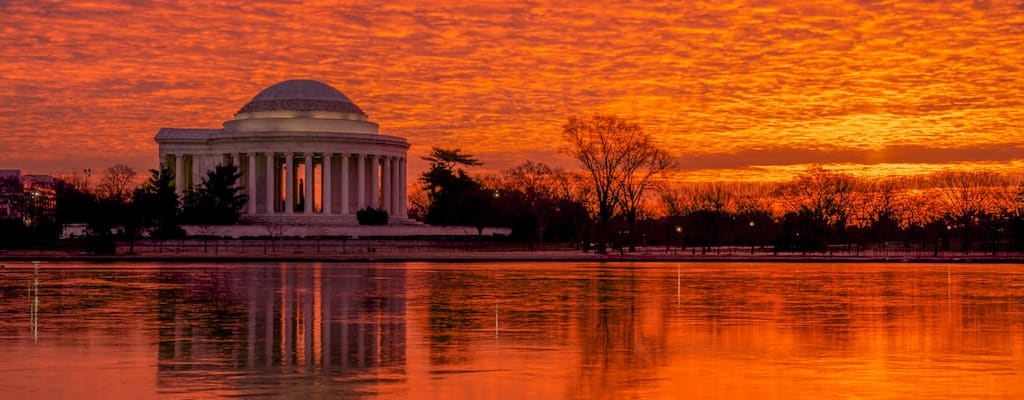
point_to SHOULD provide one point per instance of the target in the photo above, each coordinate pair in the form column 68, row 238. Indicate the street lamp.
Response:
column 88, row 173
column 682, row 243
column 753, row 237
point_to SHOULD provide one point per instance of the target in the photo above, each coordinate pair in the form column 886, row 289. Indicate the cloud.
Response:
column 710, row 79
column 898, row 154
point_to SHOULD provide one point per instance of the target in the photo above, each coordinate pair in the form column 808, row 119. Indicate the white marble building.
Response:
column 308, row 156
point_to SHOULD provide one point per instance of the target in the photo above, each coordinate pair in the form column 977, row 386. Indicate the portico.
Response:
column 307, row 155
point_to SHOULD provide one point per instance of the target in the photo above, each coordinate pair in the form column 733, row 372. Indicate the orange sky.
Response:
column 741, row 90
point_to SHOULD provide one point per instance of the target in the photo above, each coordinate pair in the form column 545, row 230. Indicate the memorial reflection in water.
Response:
column 282, row 319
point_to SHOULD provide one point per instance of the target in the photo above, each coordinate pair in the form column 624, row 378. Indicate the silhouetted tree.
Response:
column 706, row 213
column 372, row 216
column 112, row 212
column 118, row 183
column 217, row 200
column 536, row 201
column 621, row 160
column 454, row 198
column 880, row 208
column 968, row 197
column 825, row 197
column 73, row 203
column 156, row 203
column 106, row 215
column 14, row 234
column 646, row 162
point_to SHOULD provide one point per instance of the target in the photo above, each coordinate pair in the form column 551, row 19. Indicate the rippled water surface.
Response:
column 511, row 331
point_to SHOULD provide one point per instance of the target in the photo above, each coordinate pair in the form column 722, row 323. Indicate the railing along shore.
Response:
column 397, row 248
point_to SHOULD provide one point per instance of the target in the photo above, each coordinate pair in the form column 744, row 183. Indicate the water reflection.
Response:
column 513, row 330
column 33, row 293
column 310, row 324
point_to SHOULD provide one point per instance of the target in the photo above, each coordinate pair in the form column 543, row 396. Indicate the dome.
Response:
column 301, row 95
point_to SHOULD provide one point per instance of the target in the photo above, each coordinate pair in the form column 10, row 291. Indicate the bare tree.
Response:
column 418, row 204
column 533, row 179
column 117, row 183
column 825, row 195
column 752, row 198
column 79, row 182
column 877, row 201
column 970, row 194
column 673, row 200
column 877, row 209
column 621, row 160
column 645, row 163
column 573, row 185
column 742, row 198
column 916, row 208
column 535, row 199
column 1005, row 196
column 970, row 197
column 713, row 196
column 708, row 208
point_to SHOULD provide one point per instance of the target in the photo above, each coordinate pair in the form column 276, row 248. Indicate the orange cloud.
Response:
column 87, row 84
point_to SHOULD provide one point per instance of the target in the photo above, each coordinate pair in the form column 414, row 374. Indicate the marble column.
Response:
column 374, row 181
column 271, row 192
column 395, row 191
column 197, row 164
column 344, row 182
column 386, row 188
column 328, row 186
column 361, row 183
column 209, row 161
column 289, row 183
column 251, row 184
column 308, row 186
column 403, row 197
column 179, row 175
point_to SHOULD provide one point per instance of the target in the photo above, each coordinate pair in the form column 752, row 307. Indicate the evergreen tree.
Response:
column 454, row 197
column 218, row 200
column 74, row 204
column 156, row 203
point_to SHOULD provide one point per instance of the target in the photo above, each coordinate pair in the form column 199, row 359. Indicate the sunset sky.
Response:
column 735, row 90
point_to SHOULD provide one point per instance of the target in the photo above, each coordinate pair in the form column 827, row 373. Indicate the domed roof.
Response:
column 301, row 95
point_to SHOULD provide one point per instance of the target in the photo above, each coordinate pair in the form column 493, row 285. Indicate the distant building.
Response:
column 308, row 156
column 11, row 194
column 40, row 196
column 27, row 197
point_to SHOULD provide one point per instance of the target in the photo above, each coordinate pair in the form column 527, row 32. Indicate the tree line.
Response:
column 119, row 207
column 619, row 196
column 947, row 210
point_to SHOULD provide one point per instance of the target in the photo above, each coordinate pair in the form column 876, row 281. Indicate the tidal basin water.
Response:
column 511, row 331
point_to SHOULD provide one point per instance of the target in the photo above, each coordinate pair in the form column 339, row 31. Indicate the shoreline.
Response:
column 503, row 256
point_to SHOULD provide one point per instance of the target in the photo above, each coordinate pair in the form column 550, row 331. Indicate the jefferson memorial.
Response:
column 308, row 156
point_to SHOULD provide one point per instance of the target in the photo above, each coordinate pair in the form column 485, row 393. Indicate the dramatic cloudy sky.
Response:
column 736, row 90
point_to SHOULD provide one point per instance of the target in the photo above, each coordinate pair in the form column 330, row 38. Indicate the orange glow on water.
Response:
column 515, row 330
column 735, row 89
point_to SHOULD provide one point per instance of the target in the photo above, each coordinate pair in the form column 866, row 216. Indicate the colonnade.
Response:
column 328, row 184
